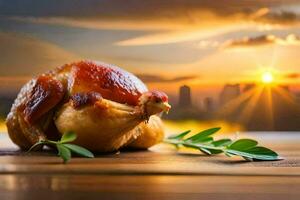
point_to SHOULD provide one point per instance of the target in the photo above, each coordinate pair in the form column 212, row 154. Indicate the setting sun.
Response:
column 267, row 77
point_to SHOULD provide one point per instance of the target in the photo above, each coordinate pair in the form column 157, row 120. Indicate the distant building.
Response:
column 298, row 98
column 185, row 99
column 229, row 92
column 185, row 109
column 248, row 86
column 285, row 87
column 208, row 104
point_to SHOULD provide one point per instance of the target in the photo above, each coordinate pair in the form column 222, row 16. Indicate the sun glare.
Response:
column 267, row 77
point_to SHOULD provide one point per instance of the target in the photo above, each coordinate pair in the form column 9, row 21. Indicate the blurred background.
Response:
column 228, row 63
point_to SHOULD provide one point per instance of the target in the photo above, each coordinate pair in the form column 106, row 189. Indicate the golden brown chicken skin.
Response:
column 107, row 107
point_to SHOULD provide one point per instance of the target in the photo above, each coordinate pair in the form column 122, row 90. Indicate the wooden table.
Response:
column 160, row 173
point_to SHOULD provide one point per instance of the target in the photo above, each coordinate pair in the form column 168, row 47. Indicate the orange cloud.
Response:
column 281, row 17
column 260, row 19
column 292, row 76
column 176, row 22
column 147, row 78
column 24, row 55
column 290, row 39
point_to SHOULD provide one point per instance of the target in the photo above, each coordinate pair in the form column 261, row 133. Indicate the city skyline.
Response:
column 254, row 107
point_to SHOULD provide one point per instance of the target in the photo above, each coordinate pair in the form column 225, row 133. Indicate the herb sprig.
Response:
column 64, row 149
column 203, row 141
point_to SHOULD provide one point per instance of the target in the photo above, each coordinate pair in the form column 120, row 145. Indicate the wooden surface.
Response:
column 160, row 173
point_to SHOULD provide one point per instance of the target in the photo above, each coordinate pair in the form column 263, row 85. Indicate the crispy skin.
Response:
column 111, row 82
column 82, row 99
column 46, row 93
column 36, row 99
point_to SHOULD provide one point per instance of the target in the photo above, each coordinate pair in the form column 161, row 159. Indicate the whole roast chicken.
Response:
column 107, row 107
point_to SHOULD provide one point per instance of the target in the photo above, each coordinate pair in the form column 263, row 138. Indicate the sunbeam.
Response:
column 287, row 96
column 269, row 104
column 234, row 104
column 247, row 112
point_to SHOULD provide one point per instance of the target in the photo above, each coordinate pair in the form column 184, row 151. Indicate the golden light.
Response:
column 267, row 77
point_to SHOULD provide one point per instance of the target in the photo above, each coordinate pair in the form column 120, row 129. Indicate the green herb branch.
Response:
column 203, row 141
column 64, row 149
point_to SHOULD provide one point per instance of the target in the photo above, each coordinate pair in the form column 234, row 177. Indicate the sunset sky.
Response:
column 202, row 43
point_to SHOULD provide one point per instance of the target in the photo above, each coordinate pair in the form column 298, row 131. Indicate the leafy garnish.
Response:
column 79, row 150
column 203, row 141
column 65, row 150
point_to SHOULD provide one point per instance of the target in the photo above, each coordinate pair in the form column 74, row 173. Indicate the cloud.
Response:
column 23, row 55
column 280, row 18
column 261, row 40
column 134, row 9
column 147, row 78
column 203, row 44
column 292, row 75
column 191, row 34
column 172, row 21
column 98, row 23
column 261, row 19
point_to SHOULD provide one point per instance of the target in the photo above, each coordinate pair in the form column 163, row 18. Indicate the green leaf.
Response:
column 221, row 142
column 205, row 148
column 243, row 144
column 212, row 151
column 203, row 135
column 261, row 151
column 79, row 150
column 206, row 151
column 258, row 153
column 63, row 152
column 207, row 140
column 68, row 137
column 179, row 136
column 246, row 148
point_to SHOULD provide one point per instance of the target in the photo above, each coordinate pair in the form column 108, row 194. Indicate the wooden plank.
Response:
column 161, row 160
column 160, row 173
column 147, row 187
column 147, row 162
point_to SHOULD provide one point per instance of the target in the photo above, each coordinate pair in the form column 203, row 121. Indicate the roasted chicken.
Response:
column 107, row 107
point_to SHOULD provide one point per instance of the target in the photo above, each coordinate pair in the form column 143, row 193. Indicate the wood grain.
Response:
column 160, row 173
column 147, row 187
